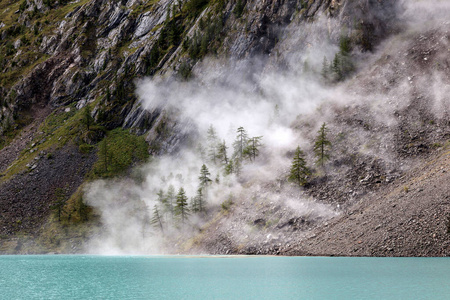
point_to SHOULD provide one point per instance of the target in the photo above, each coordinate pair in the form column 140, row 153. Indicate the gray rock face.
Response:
column 102, row 40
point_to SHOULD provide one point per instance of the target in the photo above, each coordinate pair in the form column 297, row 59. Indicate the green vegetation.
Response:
column 117, row 152
column 157, row 219
column 239, row 8
column 206, row 39
column 204, row 177
column 299, row 171
column 240, row 144
column 252, row 149
column 61, row 198
column 29, row 30
column 322, row 146
column 192, row 8
column 226, row 205
column 342, row 65
column 181, row 209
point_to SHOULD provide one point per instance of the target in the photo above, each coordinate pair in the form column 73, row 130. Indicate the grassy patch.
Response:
column 117, row 152
column 58, row 128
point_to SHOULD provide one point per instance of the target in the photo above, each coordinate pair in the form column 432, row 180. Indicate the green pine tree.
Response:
column 181, row 209
column 299, row 171
column 252, row 149
column 237, row 167
column 213, row 142
column 87, row 119
column 204, row 176
column 104, row 154
column 157, row 220
column 61, row 199
column 229, row 168
column 170, row 200
column 222, row 153
column 200, row 200
column 322, row 146
column 240, row 143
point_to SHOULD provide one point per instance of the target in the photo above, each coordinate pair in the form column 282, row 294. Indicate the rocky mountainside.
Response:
column 70, row 115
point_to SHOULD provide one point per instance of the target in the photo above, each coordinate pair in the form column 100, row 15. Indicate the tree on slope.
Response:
column 181, row 209
column 240, row 143
column 322, row 146
column 252, row 149
column 299, row 171
column 213, row 142
column 222, row 153
column 157, row 218
column 204, row 177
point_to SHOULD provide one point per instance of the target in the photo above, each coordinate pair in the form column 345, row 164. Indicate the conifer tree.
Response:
column 229, row 168
column 157, row 218
column 181, row 208
column 299, row 171
column 322, row 146
column 212, row 144
column 170, row 200
column 104, row 155
column 87, row 120
column 222, row 153
column 162, row 199
column 204, row 176
column 240, row 143
column 194, row 205
column 199, row 200
column 61, row 199
column 252, row 149
column 237, row 167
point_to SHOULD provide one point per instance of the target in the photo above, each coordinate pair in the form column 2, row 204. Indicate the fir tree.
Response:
column 87, row 120
column 194, row 205
column 204, row 177
column 237, row 167
column 170, row 200
column 162, row 199
column 212, row 144
column 222, row 153
column 240, row 143
column 104, row 154
column 252, row 149
column 157, row 218
column 299, row 171
column 61, row 199
column 322, row 146
column 200, row 200
column 229, row 168
column 181, row 209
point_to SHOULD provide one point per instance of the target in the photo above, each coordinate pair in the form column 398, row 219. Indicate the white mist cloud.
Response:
column 266, row 101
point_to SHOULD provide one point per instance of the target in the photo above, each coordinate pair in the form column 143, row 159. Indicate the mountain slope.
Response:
column 72, row 78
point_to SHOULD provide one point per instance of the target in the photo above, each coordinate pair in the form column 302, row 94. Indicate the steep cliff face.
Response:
column 100, row 45
column 63, row 63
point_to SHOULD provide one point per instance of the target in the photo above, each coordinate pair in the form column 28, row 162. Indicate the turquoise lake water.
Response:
column 173, row 277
